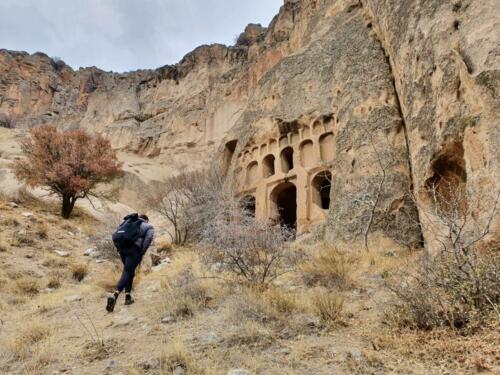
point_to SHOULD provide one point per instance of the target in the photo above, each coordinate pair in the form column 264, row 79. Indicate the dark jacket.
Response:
column 146, row 236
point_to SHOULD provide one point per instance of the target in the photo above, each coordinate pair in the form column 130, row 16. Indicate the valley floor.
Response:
column 185, row 321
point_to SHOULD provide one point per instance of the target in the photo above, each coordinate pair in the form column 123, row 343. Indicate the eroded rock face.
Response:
column 408, row 90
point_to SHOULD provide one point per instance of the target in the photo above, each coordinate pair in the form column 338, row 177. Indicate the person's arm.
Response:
column 148, row 238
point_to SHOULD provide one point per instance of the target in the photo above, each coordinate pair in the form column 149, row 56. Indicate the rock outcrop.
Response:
column 387, row 96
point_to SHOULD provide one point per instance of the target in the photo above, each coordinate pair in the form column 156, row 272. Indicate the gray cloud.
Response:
column 123, row 35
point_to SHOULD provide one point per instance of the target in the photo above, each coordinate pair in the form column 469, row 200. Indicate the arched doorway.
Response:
column 268, row 166
column 287, row 159
column 284, row 201
column 322, row 184
column 247, row 203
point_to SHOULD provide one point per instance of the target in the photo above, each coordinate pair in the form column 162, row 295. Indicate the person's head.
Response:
column 144, row 217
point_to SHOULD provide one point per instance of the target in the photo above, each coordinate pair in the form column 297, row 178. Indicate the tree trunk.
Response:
column 68, row 202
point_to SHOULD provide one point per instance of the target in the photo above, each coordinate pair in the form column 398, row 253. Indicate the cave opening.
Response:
column 284, row 197
column 248, row 204
column 322, row 184
column 228, row 155
column 287, row 159
column 268, row 166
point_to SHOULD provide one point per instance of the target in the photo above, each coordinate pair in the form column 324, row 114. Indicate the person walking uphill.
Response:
column 132, row 239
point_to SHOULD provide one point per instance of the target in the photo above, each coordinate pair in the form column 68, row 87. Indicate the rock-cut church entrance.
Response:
column 284, row 199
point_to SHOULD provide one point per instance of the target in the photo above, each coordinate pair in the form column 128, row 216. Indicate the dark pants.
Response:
column 131, row 258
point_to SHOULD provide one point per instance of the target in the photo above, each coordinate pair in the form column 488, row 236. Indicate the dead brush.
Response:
column 3, row 246
column 284, row 302
column 329, row 268
column 29, row 337
column 458, row 286
column 52, row 261
column 107, row 279
column 27, row 285
column 328, row 306
column 55, row 279
column 187, row 295
column 79, row 271
column 176, row 359
column 42, row 231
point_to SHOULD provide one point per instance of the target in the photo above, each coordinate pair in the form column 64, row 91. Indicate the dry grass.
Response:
column 107, row 279
column 3, row 246
column 28, row 285
column 329, row 268
column 42, row 231
column 328, row 306
column 55, row 279
column 79, row 271
column 31, row 347
column 282, row 301
column 176, row 359
column 53, row 261
column 22, row 238
column 187, row 297
column 163, row 245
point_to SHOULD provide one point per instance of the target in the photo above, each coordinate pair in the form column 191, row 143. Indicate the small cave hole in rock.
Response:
column 284, row 198
column 228, row 154
column 322, row 184
column 268, row 166
column 446, row 186
column 287, row 159
column 247, row 203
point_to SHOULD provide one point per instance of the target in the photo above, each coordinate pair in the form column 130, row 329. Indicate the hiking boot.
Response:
column 129, row 300
column 110, row 306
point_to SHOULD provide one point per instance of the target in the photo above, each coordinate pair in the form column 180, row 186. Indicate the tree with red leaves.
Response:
column 68, row 163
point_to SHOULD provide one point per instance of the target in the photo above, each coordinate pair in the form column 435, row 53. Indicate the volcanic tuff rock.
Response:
column 411, row 88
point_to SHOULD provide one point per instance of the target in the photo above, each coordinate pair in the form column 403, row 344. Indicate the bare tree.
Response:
column 457, row 284
column 235, row 241
column 182, row 200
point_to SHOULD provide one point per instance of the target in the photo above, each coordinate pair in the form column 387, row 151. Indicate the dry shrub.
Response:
column 29, row 345
column 280, row 300
column 458, row 287
column 187, row 295
column 449, row 290
column 3, row 246
column 53, row 261
column 108, row 279
column 162, row 245
column 10, row 222
column 329, row 268
column 328, row 306
column 28, row 285
column 249, row 304
column 176, row 359
column 251, row 333
column 55, row 279
column 79, row 271
column 42, row 231
column 22, row 238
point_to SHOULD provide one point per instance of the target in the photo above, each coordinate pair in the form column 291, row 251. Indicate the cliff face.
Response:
column 386, row 96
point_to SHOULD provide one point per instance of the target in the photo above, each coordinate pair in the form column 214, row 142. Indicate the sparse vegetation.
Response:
column 28, row 285
column 457, row 287
column 79, row 271
column 329, row 268
column 328, row 306
column 176, row 359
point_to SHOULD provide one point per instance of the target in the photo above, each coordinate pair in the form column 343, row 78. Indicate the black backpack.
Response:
column 128, row 231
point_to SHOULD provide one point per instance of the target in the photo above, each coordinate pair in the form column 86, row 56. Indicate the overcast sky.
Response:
column 123, row 35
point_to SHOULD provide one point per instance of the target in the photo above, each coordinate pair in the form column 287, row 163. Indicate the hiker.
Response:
column 132, row 239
